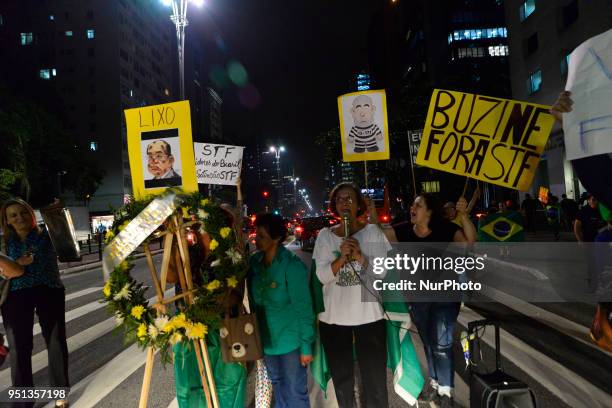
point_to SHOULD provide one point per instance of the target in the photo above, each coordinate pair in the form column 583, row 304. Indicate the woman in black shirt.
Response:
column 435, row 320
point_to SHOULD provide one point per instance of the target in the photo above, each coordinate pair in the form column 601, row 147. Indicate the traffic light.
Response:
column 276, row 212
column 265, row 194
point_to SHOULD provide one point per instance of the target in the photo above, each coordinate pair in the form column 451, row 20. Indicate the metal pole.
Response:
column 179, row 18
column 411, row 151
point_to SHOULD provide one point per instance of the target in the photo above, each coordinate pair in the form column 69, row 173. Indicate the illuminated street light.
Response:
column 179, row 18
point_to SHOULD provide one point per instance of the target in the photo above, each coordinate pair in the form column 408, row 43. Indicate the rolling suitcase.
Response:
column 496, row 389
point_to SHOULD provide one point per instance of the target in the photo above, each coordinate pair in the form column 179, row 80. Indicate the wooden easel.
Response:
column 176, row 230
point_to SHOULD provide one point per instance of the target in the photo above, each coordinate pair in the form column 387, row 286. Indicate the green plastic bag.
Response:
column 230, row 378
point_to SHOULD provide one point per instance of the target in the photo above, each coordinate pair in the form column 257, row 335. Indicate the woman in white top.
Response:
column 352, row 310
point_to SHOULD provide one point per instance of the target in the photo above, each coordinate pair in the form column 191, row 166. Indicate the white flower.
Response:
column 161, row 322
column 153, row 332
column 124, row 293
column 216, row 262
column 118, row 319
column 234, row 255
column 202, row 214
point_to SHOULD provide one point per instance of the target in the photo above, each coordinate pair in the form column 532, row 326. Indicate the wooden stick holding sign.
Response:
column 183, row 267
column 201, row 349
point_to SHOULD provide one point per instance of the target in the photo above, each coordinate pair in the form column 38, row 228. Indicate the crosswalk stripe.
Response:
column 40, row 360
column 93, row 388
column 72, row 296
column 83, row 292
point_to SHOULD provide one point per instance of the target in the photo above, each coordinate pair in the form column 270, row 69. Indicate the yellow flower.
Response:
column 137, row 311
column 232, row 282
column 196, row 331
column 109, row 236
column 142, row 331
column 225, row 231
column 175, row 338
column 122, row 226
column 213, row 244
column 185, row 212
column 214, row 285
column 107, row 288
column 123, row 266
column 204, row 202
column 179, row 321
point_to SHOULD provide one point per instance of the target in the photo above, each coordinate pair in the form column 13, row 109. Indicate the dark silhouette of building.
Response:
column 87, row 61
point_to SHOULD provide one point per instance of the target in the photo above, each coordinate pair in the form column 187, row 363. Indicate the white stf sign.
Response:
column 217, row 163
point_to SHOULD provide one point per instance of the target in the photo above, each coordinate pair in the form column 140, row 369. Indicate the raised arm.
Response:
column 10, row 268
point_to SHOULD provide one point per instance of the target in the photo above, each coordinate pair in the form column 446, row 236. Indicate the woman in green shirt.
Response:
column 279, row 289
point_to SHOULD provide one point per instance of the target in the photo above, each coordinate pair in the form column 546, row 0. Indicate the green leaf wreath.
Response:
column 152, row 327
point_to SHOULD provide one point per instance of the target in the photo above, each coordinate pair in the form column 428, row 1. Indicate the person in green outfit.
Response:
column 279, row 291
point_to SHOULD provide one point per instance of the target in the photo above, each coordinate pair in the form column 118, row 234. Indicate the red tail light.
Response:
column 385, row 218
column 191, row 237
column 299, row 229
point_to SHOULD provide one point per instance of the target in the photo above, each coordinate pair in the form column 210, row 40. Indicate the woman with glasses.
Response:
column 343, row 255
column 39, row 289
column 280, row 295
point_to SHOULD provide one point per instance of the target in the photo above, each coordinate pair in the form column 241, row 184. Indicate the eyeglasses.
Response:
column 344, row 199
column 157, row 157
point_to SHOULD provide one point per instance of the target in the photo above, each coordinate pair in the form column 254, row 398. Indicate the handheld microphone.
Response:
column 345, row 222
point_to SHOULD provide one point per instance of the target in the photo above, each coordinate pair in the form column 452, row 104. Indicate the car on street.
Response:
column 309, row 229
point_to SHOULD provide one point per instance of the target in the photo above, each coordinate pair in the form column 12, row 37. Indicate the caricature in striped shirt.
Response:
column 364, row 133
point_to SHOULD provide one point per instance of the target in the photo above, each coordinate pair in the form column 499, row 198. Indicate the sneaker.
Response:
column 429, row 393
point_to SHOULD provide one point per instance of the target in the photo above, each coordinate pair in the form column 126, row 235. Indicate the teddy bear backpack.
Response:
column 240, row 339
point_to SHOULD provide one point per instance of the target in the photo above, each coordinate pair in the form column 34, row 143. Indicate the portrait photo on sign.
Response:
column 363, row 125
column 161, row 158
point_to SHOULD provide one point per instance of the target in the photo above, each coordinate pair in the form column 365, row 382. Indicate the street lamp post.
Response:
column 277, row 150
column 179, row 18
column 295, row 180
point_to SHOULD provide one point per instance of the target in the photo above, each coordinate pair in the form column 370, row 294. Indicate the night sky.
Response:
column 299, row 56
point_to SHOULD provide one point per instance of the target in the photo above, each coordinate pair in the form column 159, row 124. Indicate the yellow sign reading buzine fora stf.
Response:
column 160, row 148
column 496, row 140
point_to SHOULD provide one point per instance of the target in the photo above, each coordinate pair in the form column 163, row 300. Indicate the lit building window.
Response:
column 91, row 34
column 527, row 9
column 1, row 20
column 472, row 52
column 53, row 72
column 534, row 82
column 478, row 34
column 167, row 92
column 498, row 51
column 430, row 186
column 68, row 33
column 565, row 64
column 51, row 17
column 45, row 73
column 363, row 82
column 27, row 38
column 93, row 146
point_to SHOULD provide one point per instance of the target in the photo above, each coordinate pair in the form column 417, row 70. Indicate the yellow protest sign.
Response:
column 496, row 140
column 363, row 126
column 160, row 148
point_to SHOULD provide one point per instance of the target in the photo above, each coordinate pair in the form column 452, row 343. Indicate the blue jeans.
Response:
column 289, row 380
column 436, row 323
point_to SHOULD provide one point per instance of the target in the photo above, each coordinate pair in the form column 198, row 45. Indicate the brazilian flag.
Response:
column 502, row 227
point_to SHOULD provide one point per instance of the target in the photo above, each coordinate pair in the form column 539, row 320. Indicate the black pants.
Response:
column 371, row 347
column 18, row 318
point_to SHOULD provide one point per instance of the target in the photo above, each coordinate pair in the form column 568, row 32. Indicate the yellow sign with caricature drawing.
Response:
column 160, row 148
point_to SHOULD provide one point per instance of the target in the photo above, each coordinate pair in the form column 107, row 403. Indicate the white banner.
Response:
column 217, row 163
column 588, row 128
column 137, row 231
